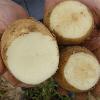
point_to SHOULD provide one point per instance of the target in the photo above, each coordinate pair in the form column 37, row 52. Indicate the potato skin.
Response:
column 61, row 40
column 64, row 56
column 18, row 28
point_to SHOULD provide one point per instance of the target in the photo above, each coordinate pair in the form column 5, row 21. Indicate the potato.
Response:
column 29, row 51
column 71, row 21
column 79, row 70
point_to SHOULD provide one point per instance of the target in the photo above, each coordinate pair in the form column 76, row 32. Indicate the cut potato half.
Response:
column 71, row 21
column 29, row 51
column 79, row 70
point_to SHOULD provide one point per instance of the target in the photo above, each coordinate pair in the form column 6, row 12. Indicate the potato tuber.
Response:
column 79, row 70
column 29, row 51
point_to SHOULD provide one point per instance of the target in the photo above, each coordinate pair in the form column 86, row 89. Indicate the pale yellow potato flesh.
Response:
column 82, row 71
column 71, row 19
column 33, row 58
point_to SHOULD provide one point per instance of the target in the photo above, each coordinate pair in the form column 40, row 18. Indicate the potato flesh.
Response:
column 33, row 58
column 71, row 19
column 82, row 71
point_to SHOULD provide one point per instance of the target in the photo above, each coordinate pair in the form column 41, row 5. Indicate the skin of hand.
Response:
column 3, row 70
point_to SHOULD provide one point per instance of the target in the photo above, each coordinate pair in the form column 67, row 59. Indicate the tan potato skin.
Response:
column 62, row 40
column 64, row 56
column 18, row 28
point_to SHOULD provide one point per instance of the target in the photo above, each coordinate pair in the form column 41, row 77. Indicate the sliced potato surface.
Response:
column 29, row 51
